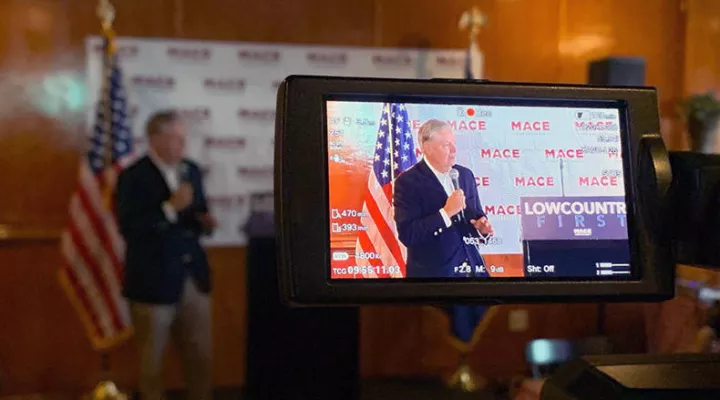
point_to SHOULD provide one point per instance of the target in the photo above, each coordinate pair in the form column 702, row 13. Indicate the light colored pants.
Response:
column 189, row 322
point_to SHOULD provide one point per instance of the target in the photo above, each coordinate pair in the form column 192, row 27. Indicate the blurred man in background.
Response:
column 162, row 213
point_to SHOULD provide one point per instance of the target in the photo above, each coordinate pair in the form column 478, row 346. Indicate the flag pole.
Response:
column 106, row 388
column 391, row 132
column 106, row 13
column 392, row 165
column 392, row 149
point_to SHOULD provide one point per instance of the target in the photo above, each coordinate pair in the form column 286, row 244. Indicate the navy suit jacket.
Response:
column 434, row 250
column 159, row 254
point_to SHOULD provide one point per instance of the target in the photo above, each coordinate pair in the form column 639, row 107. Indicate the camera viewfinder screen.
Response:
column 465, row 191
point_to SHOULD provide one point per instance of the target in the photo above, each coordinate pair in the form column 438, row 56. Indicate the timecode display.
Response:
column 367, row 270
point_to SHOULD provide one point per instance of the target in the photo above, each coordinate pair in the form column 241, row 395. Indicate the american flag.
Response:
column 91, row 243
column 394, row 153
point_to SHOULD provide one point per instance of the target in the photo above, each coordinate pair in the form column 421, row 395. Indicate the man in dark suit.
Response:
column 162, row 213
column 441, row 226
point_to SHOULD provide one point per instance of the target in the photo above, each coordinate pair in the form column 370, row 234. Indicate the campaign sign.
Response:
column 574, row 218
column 226, row 92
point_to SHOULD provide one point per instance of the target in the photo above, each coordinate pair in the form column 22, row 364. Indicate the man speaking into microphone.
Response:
column 438, row 212
column 162, row 212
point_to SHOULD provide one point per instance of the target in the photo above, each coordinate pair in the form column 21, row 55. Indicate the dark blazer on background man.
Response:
column 160, row 254
column 433, row 249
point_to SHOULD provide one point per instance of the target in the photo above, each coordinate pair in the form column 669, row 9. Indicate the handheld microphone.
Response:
column 455, row 176
column 184, row 175
column 183, row 172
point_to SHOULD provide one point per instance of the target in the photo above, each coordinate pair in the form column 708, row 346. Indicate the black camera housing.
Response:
column 301, row 195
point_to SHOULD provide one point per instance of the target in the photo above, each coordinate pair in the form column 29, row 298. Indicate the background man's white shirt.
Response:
column 446, row 182
column 172, row 179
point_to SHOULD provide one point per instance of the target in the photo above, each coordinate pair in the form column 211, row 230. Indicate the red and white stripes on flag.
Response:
column 394, row 153
column 381, row 234
column 91, row 244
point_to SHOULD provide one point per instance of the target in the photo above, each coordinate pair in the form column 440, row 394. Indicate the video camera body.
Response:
column 573, row 180
column 577, row 197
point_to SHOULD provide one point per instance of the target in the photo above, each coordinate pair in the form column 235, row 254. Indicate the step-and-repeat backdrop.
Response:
column 226, row 91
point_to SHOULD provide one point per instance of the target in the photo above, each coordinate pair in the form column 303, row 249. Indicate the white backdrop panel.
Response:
column 227, row 90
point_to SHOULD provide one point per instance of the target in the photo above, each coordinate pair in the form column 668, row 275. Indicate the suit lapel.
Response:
column 436, row 185
column 157, row 177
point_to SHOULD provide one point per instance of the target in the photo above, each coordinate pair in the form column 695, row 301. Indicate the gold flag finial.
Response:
column 106, row 13
column 472, row 20
column 106, row 390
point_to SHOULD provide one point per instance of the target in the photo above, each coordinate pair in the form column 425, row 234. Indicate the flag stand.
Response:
column 465, row 379
column 106, row 388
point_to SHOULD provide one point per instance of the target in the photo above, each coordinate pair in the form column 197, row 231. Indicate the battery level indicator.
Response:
column 607, row 272
column 609, row 268
column 610, row 265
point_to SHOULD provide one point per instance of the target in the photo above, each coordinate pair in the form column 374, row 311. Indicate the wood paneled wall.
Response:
column 42, row 345
column 702, row 57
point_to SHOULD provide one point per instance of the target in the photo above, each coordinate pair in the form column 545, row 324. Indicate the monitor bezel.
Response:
column 302, row 201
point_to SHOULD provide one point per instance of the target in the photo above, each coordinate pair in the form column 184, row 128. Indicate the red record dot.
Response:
column 470, row 112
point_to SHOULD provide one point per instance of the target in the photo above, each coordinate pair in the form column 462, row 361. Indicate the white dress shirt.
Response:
column 172, row 179
column 446, row 182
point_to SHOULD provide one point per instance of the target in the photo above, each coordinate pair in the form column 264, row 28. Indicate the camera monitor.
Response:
column 449, row 190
